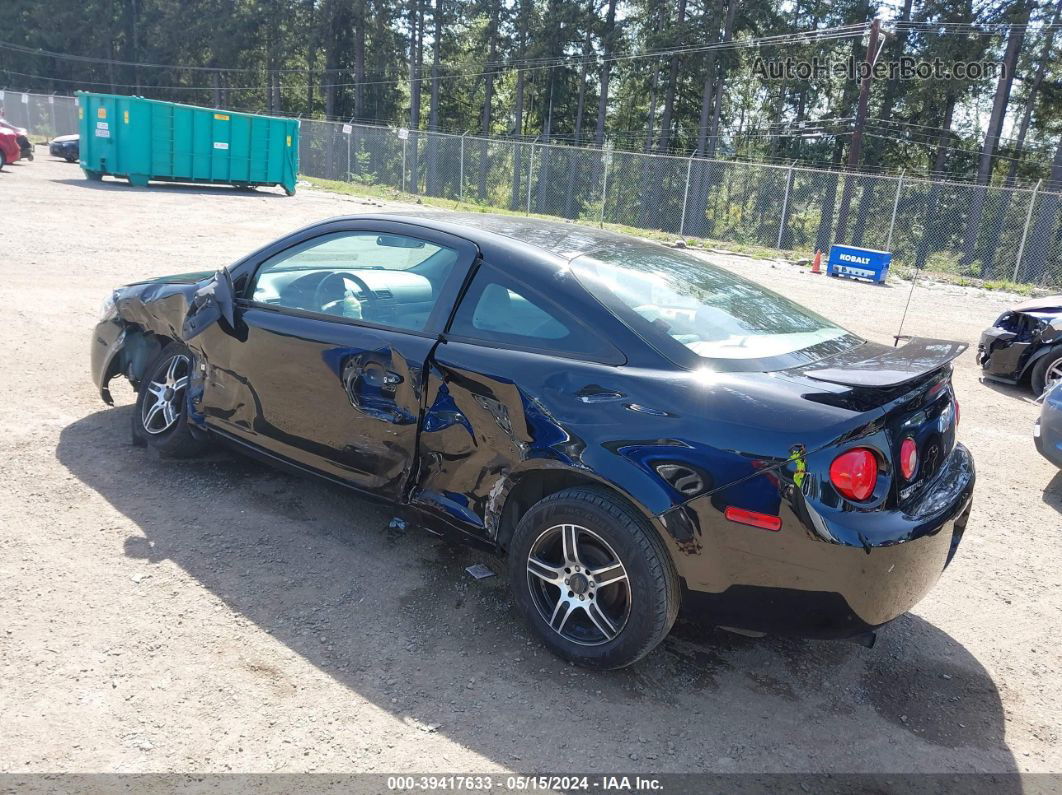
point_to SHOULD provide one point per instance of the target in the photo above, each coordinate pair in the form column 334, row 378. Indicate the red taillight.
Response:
column 908, row 458
column 957, row 412
column 855, row 473
column 764, row 521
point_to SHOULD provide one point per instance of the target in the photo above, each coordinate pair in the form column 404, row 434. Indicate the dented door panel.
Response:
column 334, row 396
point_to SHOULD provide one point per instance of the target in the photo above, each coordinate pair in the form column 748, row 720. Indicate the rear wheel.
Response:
column 1046, row 372
column 592, row 578
column 160, row 419
column 3, row 160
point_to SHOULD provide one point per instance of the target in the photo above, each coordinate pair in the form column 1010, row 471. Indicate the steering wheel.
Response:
column 325, row 286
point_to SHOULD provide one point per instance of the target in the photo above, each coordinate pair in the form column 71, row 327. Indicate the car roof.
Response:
column 1050, row 303
column 563, row 240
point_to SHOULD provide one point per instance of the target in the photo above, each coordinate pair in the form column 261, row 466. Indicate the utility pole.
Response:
column 1015, row 38
column 136, row 50
column 855, row 149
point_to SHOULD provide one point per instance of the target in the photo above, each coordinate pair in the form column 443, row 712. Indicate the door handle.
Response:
column 380, row 378
column 598, row 394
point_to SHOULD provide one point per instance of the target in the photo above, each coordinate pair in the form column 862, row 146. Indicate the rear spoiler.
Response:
column 874, row 365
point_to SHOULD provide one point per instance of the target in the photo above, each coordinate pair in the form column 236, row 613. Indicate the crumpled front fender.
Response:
column 108, row 340
column 120, row 348
column 146, row 316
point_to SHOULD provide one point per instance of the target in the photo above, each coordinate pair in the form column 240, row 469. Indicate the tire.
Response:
column 160, row 419
column 1050, row 363
column 3, row 161
column 627, row 582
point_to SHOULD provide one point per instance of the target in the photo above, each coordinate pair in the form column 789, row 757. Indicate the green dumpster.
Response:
column 144, row 139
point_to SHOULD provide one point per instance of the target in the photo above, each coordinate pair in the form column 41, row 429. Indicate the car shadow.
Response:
column 392, row 615
column 1053, row 492
column 120, row 184
column 1017, row 391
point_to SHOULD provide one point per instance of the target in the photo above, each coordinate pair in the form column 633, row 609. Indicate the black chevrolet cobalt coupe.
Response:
column 633, row 428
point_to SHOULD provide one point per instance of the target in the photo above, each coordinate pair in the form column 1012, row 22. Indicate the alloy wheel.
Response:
column 579, row 584
column 160, row 415
column 1053, row 374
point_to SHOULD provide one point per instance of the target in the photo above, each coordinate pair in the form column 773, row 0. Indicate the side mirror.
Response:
column 212, row 303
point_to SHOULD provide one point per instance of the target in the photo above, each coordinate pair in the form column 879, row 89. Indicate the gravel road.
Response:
column 216, row 615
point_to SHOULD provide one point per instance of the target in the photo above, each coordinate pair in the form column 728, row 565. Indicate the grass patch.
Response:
column 940, row 267
column 388, row 193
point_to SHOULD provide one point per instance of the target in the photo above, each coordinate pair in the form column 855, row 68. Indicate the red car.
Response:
column 10, row 151
column 21, row 135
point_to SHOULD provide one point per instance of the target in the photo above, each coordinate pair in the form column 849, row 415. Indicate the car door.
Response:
column 324, row 363
column 516, row 372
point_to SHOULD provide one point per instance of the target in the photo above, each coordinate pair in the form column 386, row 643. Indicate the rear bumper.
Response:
column 824, row 574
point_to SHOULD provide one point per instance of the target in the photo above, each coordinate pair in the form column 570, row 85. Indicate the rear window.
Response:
column 673, row 297
column 498, row 309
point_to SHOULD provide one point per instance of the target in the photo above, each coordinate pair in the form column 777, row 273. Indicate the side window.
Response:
column 391, row 280
column 496, row 309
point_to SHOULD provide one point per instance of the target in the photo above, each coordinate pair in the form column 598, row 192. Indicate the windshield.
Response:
column 718, row 316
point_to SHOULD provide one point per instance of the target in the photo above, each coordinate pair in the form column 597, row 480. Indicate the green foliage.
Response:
column 310, row 49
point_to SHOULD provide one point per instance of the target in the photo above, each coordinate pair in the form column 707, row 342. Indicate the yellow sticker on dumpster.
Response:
column 101, row 112
column 221, row 116
column 125, row 116
column 289, row 140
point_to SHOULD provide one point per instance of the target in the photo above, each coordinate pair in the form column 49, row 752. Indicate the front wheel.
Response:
column 593, row 578
column 160, row 419
column 1046, row 372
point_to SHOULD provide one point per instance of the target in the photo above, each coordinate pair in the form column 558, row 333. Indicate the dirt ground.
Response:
column 219, row 616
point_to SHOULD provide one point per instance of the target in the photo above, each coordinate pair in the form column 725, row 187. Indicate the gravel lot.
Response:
column 219, row 616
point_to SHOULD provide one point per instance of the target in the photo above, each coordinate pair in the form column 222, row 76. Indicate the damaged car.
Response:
column 630, row 427
column 1024, row 345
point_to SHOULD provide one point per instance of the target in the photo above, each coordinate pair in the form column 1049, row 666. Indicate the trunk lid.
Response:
column 911, row 388
column 874, row 365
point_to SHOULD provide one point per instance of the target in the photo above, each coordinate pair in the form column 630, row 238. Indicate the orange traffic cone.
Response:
column 816, row 264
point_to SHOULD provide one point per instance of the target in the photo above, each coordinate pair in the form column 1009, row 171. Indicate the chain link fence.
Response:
column 44, row 116
column 991, row 233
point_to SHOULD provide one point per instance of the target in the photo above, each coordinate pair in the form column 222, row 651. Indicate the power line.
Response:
column 898, row 122
column 972, row 28
column 916, row 136
column 893, row 139
column 824, row 34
